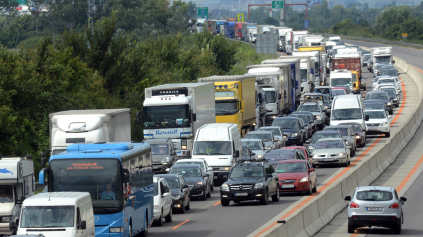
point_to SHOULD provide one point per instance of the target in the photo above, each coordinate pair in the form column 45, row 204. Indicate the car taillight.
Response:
column 354, row 205
column 394, row 206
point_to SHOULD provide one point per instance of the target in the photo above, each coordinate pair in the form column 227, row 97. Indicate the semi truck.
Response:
column 319, row 61
column 245, row 30
column 382, row 55
column 176, row 111
column 295, row 38
column 287, row 76
column 88, row 126
column 235, row 98
column 314, row 40
column 229, row 29
column 17, row 183
column 351, row 62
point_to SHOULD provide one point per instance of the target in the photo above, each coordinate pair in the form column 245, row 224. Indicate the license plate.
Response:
column 327, row 159
column 287, row 185
column 241, row 194
column 374, row 209
column 373, row 128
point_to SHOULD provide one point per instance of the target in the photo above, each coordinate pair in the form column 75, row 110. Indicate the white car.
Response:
column 386, row 81
column 202, row 162
column 379, row 122
column 388, row 86
column 162, row 201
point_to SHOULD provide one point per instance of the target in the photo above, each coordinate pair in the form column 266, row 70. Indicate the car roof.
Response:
column 302, row 112
column 292, row 147
column 382, row 188
column 257, row 163
column 372, row 101
column 376, row 92
column 292, row 118
column 310, row 103
column 313, row 94
column 370, row 110
column 337, row 126
column 169, row 175
column 259, row 132
column 189, row 160
column 250, row 139
column 325, row 132
column 186, row 165
column 291, row 161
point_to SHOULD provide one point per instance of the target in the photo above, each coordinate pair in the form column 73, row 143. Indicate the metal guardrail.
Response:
column 377, row 40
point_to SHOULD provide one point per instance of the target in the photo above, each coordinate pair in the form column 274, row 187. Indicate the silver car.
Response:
column 257, row 147
column 268, row 138
column 318, row 112
column 331, row 151
column 277, row 133
column 347, row 134
column 375, row 206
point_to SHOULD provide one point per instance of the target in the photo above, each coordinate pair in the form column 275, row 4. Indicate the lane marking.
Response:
column 418, row 69
column 217, row 203
column 340, row 173
column 180, row 224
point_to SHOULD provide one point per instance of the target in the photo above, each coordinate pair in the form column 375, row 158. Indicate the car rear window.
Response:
column 374, row 195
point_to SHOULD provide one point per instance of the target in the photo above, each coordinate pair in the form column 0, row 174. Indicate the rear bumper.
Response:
column 374, row 220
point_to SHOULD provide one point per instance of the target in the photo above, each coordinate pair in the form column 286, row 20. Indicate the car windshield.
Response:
column 383, row 59
column 274, row 158
column 336, row 92
column 47, row 216
column 270, row 96
column 386, row 81
column 159, row 149
column 226, row 107
column 378, row 96
column 322, row 90
column 245, row 153
column 374, row 106
column 376, row 114
column 313, row 98
column 309, row 108
column 342, row 131
column 6, row 193
column 171, row 116
column 374, row 195
column 172, row 182
column 390, row 92
column 389, row 73
column 246, row 172
column 188, row 162
column 212, row 148
column 263, row 137
column 303, row 75
column 275, row 131
column 186, row 172
column 285, row 123
column 356, row 127
column 303, row 117
column 290, row 167
column 340, row 81
column 333, row 144
column 317, row 137
column 346, row 114
column 254, row 145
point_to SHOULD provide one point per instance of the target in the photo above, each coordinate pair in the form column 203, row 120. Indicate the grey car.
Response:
column 375, row 206
column 163, row 154
column 347, row 134
column 311, row 119
column 321, row 135
column 256, row 145
column 268, row 139
column 318, row 112
column 277, row 133
column 306, row 126
column 331, row 151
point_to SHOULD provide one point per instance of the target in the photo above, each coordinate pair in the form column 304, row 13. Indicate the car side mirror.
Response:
column 167, row 169
column 193, row 117
column 82, row 225
column 389, row 116
column 269, row 176
column 307, row 141
column 347, row 198
column 253, row 154
column 312, row 170
column 125, row 175
column 403, row 199
column 366, row 117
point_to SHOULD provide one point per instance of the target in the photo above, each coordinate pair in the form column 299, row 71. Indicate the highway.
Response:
column 209, row 218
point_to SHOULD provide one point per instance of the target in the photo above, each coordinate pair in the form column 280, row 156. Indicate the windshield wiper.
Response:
column 218, row 153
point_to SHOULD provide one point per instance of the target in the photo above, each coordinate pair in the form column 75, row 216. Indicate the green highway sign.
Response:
column 277, row 4
column 203, row 12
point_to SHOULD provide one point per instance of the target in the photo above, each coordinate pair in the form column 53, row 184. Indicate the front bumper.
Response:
column 298, row 187
column 178, row 204
column 329, row 160
column 254, row 194
column 375, row 220
column 377, row 129
column 395, row 102
column 359, row 141
column 4, row 228
column 293, row 141
column 196, row 191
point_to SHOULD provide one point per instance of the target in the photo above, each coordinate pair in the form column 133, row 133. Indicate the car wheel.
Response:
column 209, row 193
column 310, row 189
column 204, row 196
column 265, row 199
column 388, row 134
column 397, row 229
column 168, row 218
column 211, row 187
column 224, row 203
column 276, row 197
column 346, row 162
column 351, row 228
column 188, row 207
column 315, row 187
column 159, row 222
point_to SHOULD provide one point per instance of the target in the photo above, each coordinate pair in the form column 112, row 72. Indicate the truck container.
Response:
column 315, row 53
column 176, row 111
column 314, row 40
column 245, row 30
column 287, row 74
column 88, row 126
column 253, row 35
column 238, row 30
column 281, row 33
column 17, row 183
column 235, row 98
column 382, row 55
column 351, row 62
column 229, row 29
column 295, row 38
column 264, row 29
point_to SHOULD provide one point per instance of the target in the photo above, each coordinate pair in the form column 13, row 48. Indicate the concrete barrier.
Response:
column 312, row 217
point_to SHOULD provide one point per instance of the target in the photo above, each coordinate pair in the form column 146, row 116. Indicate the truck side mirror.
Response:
column 393, row 61
column 12, row 225
column 366, row 117
column 237, row 153
column 43, row 160
column 137, row 118
column 125, row 175
column 355, row 84
column 82, row 225
column 42, row 174
column 188, row 154
column 284, row 94
column 193, row 117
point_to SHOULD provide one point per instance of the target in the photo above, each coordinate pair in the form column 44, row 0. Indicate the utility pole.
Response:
column 282, row 17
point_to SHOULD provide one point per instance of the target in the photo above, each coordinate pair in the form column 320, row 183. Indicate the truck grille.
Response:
column 241, row 187
column 177, row 145
column 373, row 124
column 287, row 181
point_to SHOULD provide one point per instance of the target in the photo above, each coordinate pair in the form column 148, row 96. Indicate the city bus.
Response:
column 119, row 177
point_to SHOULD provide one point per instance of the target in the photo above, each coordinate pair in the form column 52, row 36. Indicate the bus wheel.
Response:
column 130, row 230
column 145, row 231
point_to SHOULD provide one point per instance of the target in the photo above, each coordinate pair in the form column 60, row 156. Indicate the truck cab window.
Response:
column 6, row 193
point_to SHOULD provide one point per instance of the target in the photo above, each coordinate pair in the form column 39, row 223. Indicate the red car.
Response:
column 303, row 151
column 296, row 176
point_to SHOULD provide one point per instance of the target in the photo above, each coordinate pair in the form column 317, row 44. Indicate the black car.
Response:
column 383, row 96
column 305, row 125
column 179, row 190
column 276, row 156
column 198, row 180
column 291, row 128
column 250, row 181
column 392, row 93
column 375, row 105
column 310, row 116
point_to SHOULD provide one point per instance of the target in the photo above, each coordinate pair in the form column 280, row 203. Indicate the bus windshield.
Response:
column 100, row 177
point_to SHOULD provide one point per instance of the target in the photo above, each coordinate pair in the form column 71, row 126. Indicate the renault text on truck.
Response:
column 119, row 178
column 235, row 98
column 176, row 111
column 17, row 182
column 220, row 145
column 88, row 126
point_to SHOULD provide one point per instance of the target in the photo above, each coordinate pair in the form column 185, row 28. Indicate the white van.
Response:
column 65, row 214
column 348, row 109
column 220, row 145
column 341, row 77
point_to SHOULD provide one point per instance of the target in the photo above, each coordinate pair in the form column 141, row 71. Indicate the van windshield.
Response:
column 340, row 82
column 212, row 148
column 47, row 216
column 346, row 114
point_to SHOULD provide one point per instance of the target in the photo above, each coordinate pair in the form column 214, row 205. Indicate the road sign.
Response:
column 240, row 17
column 277, row 4
column 203, row 12
column 404, row 35
column 306, row 24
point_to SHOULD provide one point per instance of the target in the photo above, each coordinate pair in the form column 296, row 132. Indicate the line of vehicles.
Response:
column 244, row 133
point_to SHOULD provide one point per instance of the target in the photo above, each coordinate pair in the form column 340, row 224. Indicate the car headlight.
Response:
column 305, row 179
column 318, row 116
column 286, row 135
column 326, row 106
column 260, row 156
column 315, row 156
column 385, row 123
column 6, row 218
column 116, row 229
column 258, row 185
column 165, row 160
column 294, row 134
column 225, row 168
column 273, row 117
column 389, row 104
column 341, row 154
column 176, row 197
column 224, row 187
column 200, row 183
column 358, row 137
